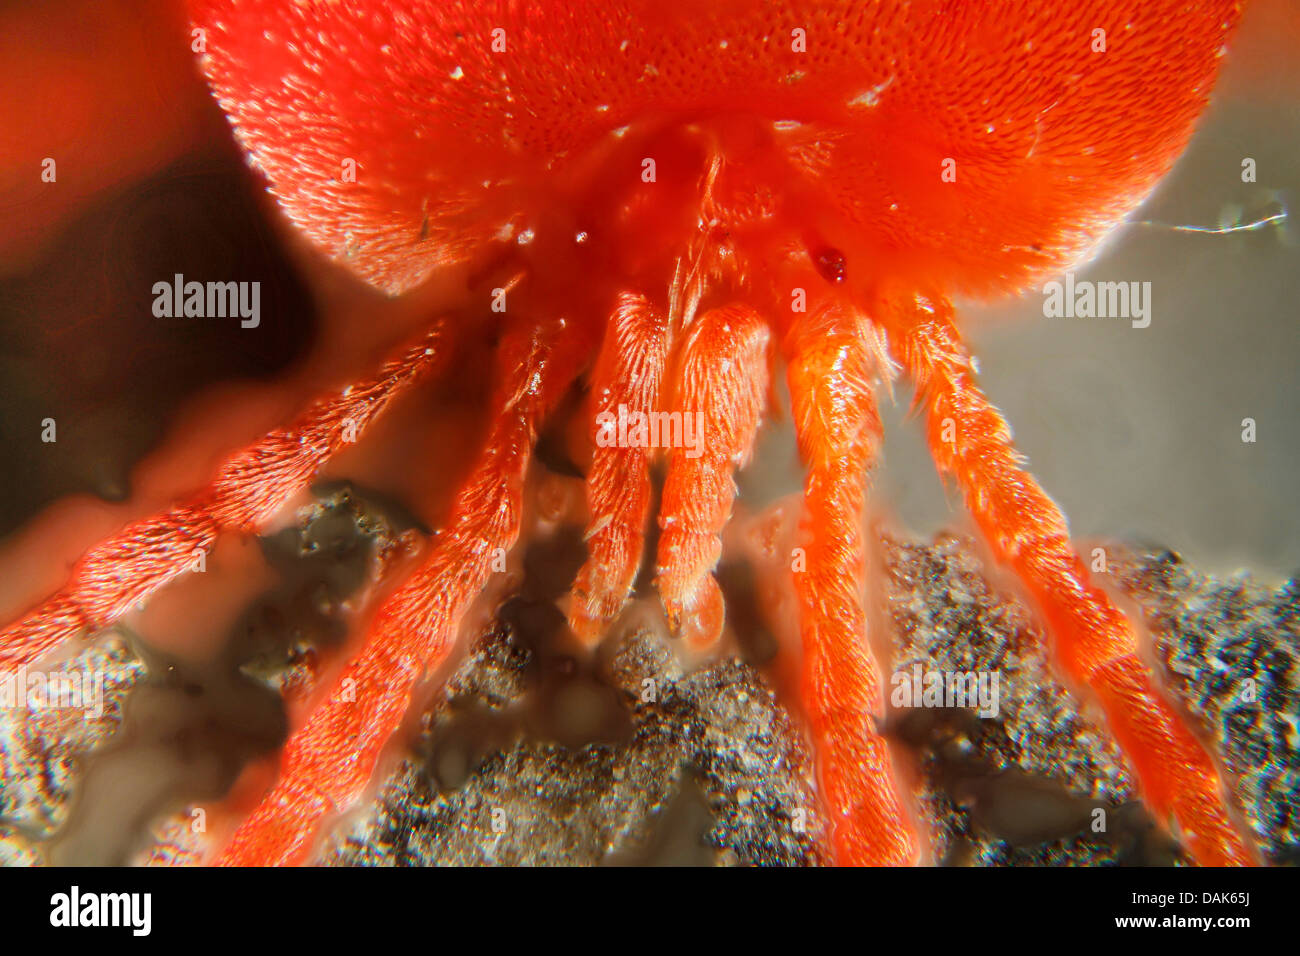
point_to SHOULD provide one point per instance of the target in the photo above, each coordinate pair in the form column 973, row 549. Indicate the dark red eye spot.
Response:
column 830, row 264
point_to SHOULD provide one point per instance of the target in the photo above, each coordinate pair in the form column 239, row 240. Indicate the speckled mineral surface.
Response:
column 533, row 752
column 719, row 759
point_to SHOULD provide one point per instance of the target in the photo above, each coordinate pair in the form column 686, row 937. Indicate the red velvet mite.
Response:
column 680, row 194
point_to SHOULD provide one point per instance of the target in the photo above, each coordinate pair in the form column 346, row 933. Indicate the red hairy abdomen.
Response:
column 456, row 141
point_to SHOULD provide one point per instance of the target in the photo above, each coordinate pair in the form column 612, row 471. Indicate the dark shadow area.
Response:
column 84, row 348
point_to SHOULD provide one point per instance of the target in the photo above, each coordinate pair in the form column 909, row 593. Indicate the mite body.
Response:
column 970, row 148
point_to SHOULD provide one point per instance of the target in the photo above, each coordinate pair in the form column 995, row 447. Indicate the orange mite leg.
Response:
column 327, row 763
column 720, row 388
column 249, row 489
column 628, row 376
column 831, row 366
column 1096, row 643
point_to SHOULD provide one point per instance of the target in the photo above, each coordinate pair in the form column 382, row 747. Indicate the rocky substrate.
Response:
column 537, row 753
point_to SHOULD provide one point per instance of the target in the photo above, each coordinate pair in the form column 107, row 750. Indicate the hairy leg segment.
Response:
column 721, row 385
column 831, row 367
column 328, row 762
column 1094, row 642
column 628, row 375
column 249, row 489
